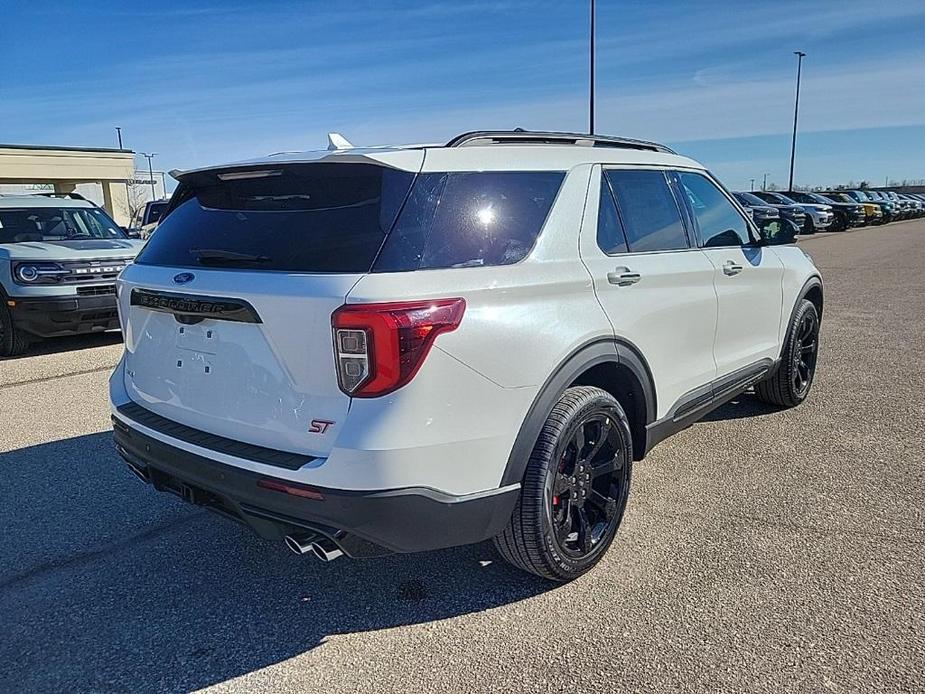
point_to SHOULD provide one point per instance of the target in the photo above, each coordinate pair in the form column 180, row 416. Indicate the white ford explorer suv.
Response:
column 365, row 351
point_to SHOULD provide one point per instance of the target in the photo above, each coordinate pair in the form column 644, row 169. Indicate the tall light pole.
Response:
column 591, row 90
column 752, row 189
column 149, row 157
column 796, row 110
column 119, row 135
column 764, row 186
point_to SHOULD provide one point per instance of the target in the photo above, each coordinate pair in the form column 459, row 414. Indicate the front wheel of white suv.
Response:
column 791, row 383
column 574, row 490
column 12, row 341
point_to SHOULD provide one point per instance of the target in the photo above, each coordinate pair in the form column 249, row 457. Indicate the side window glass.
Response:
column 470, row 219
column 650, row 215
column 92, row 225
column 719, row 221
column 610, row 236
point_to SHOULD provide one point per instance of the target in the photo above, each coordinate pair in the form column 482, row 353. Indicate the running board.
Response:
column 699, row 402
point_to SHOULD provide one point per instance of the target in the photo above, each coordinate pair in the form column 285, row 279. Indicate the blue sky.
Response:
column 219, row 81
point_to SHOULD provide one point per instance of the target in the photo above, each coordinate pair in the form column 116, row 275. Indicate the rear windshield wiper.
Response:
column 217, row 256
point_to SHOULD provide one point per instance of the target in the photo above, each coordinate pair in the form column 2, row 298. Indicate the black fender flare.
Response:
column 812, row 283
column 590, row 354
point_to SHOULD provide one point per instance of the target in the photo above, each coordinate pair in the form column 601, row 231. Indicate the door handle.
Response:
column 730, row 268
column 623, row 277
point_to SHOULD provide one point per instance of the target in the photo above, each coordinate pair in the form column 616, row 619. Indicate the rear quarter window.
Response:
column 470, row 219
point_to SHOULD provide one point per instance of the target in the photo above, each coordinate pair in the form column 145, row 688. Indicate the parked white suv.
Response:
column 59, row 258
column 380, row 350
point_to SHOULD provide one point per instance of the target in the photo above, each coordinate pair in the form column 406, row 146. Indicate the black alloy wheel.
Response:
column 790, row 384
column 804, row 353
column 575, row 488
column 586, row 489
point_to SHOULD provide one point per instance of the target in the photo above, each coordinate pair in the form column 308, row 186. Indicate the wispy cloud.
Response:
column 222, row 81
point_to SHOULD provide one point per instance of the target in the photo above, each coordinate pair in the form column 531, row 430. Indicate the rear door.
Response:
column 747, row 277
column 227, row 310
column 653, row 282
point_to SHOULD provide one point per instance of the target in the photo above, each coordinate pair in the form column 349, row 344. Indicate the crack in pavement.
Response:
column 755, row 520
column 88, row 556
column 44, row 379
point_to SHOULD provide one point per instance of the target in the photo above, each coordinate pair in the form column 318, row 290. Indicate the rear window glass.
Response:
column 299, row 218
column 470, row 219
column 155, row 210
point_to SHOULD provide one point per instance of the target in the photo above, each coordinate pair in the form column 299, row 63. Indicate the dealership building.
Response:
column 105, row 176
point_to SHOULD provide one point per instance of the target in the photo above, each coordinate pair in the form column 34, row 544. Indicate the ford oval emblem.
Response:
column 184, row 277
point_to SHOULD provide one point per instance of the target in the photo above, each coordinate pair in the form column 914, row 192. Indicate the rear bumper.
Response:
column 361, row 523
column 65, row 315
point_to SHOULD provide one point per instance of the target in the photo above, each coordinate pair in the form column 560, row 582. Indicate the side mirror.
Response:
column 778, row 232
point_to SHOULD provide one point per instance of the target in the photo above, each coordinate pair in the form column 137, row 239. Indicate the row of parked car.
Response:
column 60, row 254
column 835, row 210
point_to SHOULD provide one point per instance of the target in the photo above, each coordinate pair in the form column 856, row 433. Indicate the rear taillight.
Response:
column 380, row 347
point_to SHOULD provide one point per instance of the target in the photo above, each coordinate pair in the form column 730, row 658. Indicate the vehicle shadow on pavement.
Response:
column 107, row 585
column 58, row 345
column 744, row 406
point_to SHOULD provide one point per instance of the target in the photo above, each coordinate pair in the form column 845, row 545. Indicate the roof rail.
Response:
column 519, row 136
column 67, row 196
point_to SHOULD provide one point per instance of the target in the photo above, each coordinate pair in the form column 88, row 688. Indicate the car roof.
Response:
column 41, row 201
column 483, row 151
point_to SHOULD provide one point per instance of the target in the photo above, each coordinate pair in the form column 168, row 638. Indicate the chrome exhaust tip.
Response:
column 300, row 544
column 326, row 550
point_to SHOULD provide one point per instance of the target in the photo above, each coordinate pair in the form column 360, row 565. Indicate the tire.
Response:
column 572, row 497
column 13, row 342
column 791, row 383
column 808, row 227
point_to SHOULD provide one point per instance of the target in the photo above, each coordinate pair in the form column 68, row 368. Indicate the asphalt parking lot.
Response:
column 762, row 550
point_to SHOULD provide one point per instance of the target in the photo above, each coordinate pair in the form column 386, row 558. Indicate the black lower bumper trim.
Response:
column 363, row 524
column 219, row 444
column 69, row 315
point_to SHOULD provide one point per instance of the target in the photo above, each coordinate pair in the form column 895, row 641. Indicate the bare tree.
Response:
column 138, row 195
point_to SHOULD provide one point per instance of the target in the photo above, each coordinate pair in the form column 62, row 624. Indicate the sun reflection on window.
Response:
column 485, row 215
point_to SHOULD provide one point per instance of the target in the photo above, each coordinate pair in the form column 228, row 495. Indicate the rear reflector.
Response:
column 292, row 488
column 380, row 347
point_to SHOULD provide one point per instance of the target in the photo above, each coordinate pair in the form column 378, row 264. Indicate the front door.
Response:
column 748, row 277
